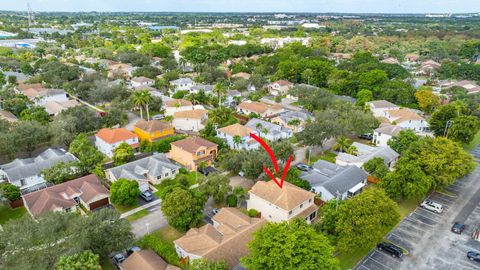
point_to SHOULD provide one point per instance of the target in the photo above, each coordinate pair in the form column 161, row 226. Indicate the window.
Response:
column 22, row 182
column 200, row 153
column 289, row 213
column 310, row 200
column 301, row 205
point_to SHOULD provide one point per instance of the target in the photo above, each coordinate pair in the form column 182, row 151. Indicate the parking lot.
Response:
column 427, row 237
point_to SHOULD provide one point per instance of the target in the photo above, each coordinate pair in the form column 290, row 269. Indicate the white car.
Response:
column 432, row 206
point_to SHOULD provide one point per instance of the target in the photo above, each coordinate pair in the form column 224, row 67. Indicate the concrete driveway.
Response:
column 132, row 120
column 149, row 223
column 239, row 181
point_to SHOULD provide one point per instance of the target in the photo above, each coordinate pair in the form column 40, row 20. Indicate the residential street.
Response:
column 427, row 235
column 149, row 223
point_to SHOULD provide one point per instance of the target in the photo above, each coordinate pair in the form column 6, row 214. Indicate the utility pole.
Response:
column 448, row 125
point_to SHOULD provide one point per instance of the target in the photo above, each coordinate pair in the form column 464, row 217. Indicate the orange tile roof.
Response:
column 258, row 107
column 112, row 136
column 195, row 114
column 152, row 125
column 236, row 130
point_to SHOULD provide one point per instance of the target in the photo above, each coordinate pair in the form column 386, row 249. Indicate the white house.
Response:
column 228, row 133
column 136, row 82
column 384, row 133
column 272, row 132
column 366, row 153
column 408, row 119
column 331, row 181
column 231, row 96
column 294, row 120
column 27, row 173
column 279, row 87
column 107, row 140
column 153, row 169
column 176, row 105
column 277, row 204
column 191, row 120
column 260, row 108
column 182, row 84
column 379, row 107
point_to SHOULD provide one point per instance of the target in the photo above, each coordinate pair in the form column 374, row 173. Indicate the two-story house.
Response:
column 153, row 169
column 280, row 87
column 270, row 131
column 379, row 107
column 407, row 119
column 191, row 120
column 182, row 84
column 384, row 133
column 259, row 108
column 107, row 140
column 152, row 130
column 238, row 137
column 136, row 82
column 282, row 204
column 192, row 151
column 177, row 105
column 294, row 120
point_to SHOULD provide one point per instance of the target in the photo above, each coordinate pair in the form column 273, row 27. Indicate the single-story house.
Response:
column 182, row 84
column 153, row 169
column 191, row 120
column 384, row 133
column 294, row 120
column 8, row 116
column 279, row 87
column 146, row 259
column 141, row 82
column 367, row 152
column 262, row 109
column 270, row 131
column 379, row 107
column 87, row 191
column 331, row 181
column 229, row 133
column 177, row 105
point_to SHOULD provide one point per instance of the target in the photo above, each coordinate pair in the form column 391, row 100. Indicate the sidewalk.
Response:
column 145, row 206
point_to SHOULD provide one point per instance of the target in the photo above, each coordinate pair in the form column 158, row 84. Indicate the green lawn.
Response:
column 137, row 215
column 122, row 209
column 161, row 242
column 350, row 259
column 407, row 206
column 105, row 264
column 327, row 156
column 7, row 213
column 473, row 143
column 192, row 178
column 168, row 234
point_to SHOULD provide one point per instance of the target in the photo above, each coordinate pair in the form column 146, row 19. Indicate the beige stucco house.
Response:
column 192, row 151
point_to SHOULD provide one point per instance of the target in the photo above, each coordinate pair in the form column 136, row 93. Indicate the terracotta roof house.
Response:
column 279, row 87
column 26, row 173
column 152, row 130
column 153, row 169
column 146, row 259
column 390, row 60
column 106, row 139
column 281, row 204
column 177, row 105
column 428, row 67
column 8, row 116
column 226, row 239
column 119, row 70
column 332, row 181
column 242, row 75
column 87, row 191
column 190, row 152
column 56, row 107
column 411, row 57
column 262, row 109
column 470, row 87
column 191, row 120
column 229, row 133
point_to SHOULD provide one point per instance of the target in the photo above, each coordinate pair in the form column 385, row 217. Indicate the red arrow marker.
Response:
column 280, row 181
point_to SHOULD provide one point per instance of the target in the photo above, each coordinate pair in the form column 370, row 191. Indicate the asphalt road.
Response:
column 427, row 236
column 149, row 223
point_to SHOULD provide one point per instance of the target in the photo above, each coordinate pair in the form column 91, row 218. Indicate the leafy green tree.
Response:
column 327, row 224
column 30, row 134
column 283, row 150
column 427, row 101
column 312, row 98
column 10, row 191
column 156, row 50
column 438, row 121
column 372, row 79
column 301, row 248
column 80, row 261
column 376, row 167
column 293, row 177
column 364, row 96
column 86, row 120
column 35, row 114
column 123, row 154
column 83, row 149
column 202, row 264
column 464, row 128
column 342, row 144
column 62, row 172
column 183, row 208
column 124, row 192
column 365, row 219
column 403, row 141
column 215, row 185
column 62, row 129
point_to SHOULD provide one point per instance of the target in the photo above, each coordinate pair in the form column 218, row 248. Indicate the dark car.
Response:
column 390, row 249
column 118, row 259
column 366, row 136
column 207, row 170
column 304, row 167
column 146, row 196
column 133, row 249
column 458, row 228
column 473, row 256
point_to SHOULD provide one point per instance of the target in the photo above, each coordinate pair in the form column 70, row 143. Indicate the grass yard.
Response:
column 327, row 156
column 473, row 143
column 192, row 178
column 161, row 242
column 407, row 206
column 7, row 213
column 122, row 209
column 350, row 259
column 106, row 264
column 137, row 215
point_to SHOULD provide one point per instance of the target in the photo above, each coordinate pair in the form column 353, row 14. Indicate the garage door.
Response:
column 97, row 204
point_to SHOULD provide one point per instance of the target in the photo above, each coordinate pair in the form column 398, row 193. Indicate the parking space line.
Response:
column 363, row 267
column 412, row 219
column 443, row 197
column 379, row 263
column 385, row 255
column 423, row 213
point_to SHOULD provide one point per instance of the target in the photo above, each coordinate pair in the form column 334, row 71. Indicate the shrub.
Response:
column 252, row 213
column 166, row 250
column 232, row 200
column 11, row 191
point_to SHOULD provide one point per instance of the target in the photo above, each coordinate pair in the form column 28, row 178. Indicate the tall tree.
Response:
column 215, row 185
column 124, row 192
column 183, row 208
column 80, row 261
column 123, row 154
column 464, row 128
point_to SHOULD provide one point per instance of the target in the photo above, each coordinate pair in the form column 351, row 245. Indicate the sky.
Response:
column 345, row 6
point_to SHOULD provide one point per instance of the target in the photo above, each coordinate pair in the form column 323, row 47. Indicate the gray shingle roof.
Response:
column 293, row 115
column 136, row 170
column 24, row 168
column 334, row 177
column 367, row 152
column 182, row 81
column 272, row 128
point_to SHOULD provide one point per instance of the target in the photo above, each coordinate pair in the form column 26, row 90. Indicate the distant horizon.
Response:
column 251, row 6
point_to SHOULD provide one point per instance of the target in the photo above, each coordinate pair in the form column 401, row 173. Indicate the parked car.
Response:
column 458, row 228
column 207, row 170
column 133, row 249
column 146, row 196
column 473, row 256
column 241, row 173
column 390, row 248
column 118, row 259
column 304, row 167
column 366, row 136
column 158, row 117
column 432, row 206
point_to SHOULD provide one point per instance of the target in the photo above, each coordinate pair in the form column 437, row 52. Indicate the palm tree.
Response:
column 236, row 141
column 352, row 150
column 259, row 127
column 342, row 144
column 220, row 90
column 241, row 195
column 138, row 100
column 147, row 96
